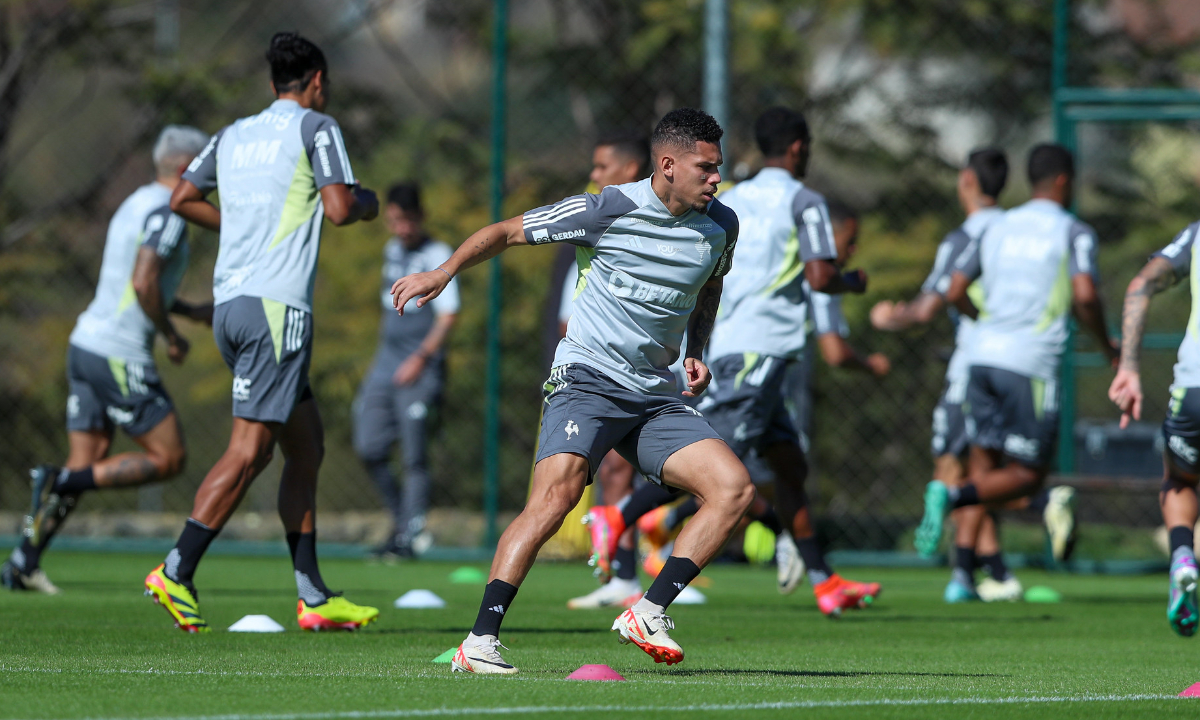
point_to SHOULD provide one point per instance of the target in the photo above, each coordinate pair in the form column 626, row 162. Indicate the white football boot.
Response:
column 615, row 592
column 480, row 656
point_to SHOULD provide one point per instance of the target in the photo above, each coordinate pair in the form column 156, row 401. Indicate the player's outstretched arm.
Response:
column 347, row 204
column 1126, row 388
column 838, row 353
column 700, row 327
column 146, row 275
column 483, row 245
column 896, row 316
column 188, row 203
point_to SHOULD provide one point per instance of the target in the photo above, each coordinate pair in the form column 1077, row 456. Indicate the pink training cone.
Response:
column 595, row 672
column 1193, row 691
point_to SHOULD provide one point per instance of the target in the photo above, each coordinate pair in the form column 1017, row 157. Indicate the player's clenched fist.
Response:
column 423, row 286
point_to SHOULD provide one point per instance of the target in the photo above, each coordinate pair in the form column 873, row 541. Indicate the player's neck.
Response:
column 304, row 100
column 662, row 189
column 982, row 202
column 1050, row 195
column 169, row 182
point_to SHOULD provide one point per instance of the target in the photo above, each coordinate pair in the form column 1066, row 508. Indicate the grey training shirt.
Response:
column 1025, row 261
column 401, row 335
column 640, row 271
column 269, row 168
column 114, row 324
column 763, row 306
column 1181, row 253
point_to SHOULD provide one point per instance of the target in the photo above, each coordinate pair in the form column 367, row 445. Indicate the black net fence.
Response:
column 897, row 93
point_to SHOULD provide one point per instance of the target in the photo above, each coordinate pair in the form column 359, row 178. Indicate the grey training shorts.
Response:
column 588, row 414
column 1181, row 430
column 108, row 391
column 1013, row 413
column 746, row 404
column 268, row 347
column 950, row 421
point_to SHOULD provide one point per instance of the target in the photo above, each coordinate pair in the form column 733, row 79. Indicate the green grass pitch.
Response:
column 103, row 651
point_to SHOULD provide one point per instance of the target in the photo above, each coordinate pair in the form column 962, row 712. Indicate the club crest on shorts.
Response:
column 571, row 428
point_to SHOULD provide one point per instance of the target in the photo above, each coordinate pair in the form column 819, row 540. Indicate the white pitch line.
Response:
column 736, row 707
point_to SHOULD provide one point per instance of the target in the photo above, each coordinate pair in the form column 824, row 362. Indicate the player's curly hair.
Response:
column 682, row 128
column 294, row 61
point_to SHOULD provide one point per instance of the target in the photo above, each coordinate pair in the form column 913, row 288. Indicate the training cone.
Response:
column 468, row 576
column 1193, row 691
column 1042, row 594
column 256, row 623
column 690, row 596
column 446, row 656
column 418, row 599
column 595, row 672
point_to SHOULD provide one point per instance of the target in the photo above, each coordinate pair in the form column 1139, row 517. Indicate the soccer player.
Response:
column 1035, row 264
column 616, row 160
column 789, row 246
column 1181, row 429
column 404, row 384
column 979, row 186
column 280, row 174
column 111, row 373
column 652, row 256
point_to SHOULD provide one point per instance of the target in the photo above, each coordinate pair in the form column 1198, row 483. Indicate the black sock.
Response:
column 26, row 557
column 626, row 562
column 818, row 570
column 963, row 496
column 309, row 585
column 497, row 599
column 964, row 566
column 181, row 562
column 995, row 566
column 675, row 576
column 1180, row 536
column 682, row 511
column 643, row 500
column 75, row 481
column 771, row 520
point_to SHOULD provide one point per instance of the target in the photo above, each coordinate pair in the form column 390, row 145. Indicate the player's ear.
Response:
column 666, row 164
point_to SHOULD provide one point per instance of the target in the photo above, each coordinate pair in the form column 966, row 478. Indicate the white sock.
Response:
column 646, row 606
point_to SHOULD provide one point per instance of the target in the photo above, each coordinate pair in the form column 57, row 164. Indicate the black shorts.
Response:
column 1181, row 430
column 268, row 348
column 745, row 402
column 108, row 391
column 1013, row 413
column 588, row 414
column 950, row 422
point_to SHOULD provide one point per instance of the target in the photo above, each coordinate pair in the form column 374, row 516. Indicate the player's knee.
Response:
column 172, row 462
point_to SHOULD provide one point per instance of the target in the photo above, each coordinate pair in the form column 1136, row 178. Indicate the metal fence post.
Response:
column 716, row 60
column 1064, row 134
column 491, row 472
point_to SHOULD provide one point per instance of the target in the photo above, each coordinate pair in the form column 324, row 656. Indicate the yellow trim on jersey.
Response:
column 301, row 201
column 583, row 260
column 1059, row 301
column 792, row 265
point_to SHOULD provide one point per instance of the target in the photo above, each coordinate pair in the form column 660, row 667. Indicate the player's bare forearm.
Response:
column 483, row 245
column 957, row 295
column 1089, row 311
column 904, row 315
column 704, row 317
column 1156, row 276
column 825, row 276
column 146, row 276
column 188, row 203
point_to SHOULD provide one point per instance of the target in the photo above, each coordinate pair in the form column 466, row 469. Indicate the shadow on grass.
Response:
column 820, row 673
column 876, row 617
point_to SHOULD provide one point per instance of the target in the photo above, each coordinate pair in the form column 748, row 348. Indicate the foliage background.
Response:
column 897, row 92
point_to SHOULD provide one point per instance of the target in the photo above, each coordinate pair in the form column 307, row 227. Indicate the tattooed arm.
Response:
column 700, row 326
column 1126, row 388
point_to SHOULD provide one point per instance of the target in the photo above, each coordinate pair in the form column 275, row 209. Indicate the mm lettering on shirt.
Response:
column 764, row 303
column 640, row 272
column 270, row 168
column 1025, row 261
column 1181, row 253
column 114, row 324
